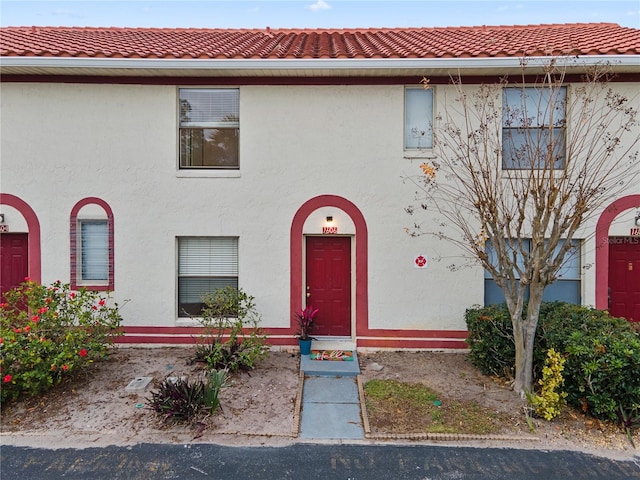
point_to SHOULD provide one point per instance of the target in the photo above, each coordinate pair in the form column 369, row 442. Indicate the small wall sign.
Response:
column 329, row 230
column 420, row 261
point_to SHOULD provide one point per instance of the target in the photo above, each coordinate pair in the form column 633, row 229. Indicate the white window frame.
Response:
column 418, row 118
column 203, row 265
column 213, row 110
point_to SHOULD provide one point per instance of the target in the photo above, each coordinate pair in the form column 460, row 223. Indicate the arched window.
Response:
column 91, row 240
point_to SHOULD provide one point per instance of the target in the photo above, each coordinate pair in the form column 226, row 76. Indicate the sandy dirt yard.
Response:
column 260, row 407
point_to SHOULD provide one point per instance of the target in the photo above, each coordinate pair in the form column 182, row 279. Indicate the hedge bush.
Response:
column 602, row 369
column 49, row 332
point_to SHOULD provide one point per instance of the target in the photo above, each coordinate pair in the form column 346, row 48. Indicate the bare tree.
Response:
column 519, row 166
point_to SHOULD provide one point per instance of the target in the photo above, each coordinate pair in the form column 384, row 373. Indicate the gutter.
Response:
column 316, row 64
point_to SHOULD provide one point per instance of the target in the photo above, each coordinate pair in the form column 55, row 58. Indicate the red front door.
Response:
column 624, row 277
column 328, row 284
column 14, row 260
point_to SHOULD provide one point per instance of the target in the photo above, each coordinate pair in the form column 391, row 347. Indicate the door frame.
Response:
column 352, row 283
column 359, row 274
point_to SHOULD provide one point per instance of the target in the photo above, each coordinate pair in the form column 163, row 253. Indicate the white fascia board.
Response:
column 313, row 64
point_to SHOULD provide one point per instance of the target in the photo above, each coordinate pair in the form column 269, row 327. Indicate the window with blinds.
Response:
column 94, row 251
column 533, row 128
column 205, row 264
column 209, row 128
column 418, row 118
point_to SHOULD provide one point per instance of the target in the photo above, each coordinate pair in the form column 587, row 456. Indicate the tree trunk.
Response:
column 524, row 337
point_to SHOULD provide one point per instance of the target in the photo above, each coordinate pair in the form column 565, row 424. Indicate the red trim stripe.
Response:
column 424, row 339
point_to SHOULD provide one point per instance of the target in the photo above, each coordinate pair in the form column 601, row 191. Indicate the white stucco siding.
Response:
column 348, row 141
column 61, row 143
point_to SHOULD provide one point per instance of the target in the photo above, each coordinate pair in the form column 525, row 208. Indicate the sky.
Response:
column 314, row 13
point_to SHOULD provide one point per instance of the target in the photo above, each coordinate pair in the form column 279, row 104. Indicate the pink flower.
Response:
column 17, row 330
column 101, row 302
column 43, row 310
column 7, row 378
column 27, row 328
column 3, row 305
column 65, row 367
column 83, row 352
column 48, row 300
column 72, row 295
column 35, row 319
column 27, row 279
column 94, row 307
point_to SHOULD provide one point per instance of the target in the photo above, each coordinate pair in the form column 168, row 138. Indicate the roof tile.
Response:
column 482, row 41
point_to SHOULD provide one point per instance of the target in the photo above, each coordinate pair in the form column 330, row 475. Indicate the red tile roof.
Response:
column 461, row 42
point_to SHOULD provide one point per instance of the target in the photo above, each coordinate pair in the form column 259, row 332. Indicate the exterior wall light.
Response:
column 330, row 219
column 637, row 220
column 1, row 217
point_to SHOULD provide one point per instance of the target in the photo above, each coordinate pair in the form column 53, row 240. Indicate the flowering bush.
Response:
column 48, row 332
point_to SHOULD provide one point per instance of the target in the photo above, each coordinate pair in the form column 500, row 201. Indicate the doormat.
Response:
column 332, row 355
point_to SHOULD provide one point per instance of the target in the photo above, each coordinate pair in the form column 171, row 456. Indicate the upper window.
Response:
column 533, row 128
column 565, row 289
column 418, row 118
column 205, row 264
column 92, row 253
column 209, row 128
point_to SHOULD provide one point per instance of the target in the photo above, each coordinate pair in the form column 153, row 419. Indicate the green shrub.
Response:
column 602, row 368
column 232, row 337
column 490, row 340
column 47, row 333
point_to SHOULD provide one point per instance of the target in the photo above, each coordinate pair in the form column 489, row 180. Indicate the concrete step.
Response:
column 330, row 368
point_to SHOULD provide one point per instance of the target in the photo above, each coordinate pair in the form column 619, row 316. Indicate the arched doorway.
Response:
column 618, row 264
column 22, row 244
column 298, row 256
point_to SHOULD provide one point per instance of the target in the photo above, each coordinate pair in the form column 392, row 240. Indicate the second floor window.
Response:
column 418, row 118
column 533, row 128
column 209, row 128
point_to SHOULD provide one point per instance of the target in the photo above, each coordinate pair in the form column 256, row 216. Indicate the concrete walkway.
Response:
column 330, row 400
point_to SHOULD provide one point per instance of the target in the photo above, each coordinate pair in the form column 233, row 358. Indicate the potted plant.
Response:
column 305, row 325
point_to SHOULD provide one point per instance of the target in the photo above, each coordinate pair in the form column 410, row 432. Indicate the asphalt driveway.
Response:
column 308, row 461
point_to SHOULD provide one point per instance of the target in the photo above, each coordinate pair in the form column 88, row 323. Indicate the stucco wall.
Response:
column 63, row 142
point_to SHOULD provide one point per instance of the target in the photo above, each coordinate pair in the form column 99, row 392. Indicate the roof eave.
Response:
column 273, row 67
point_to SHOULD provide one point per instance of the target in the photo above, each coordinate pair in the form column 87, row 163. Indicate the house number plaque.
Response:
column 330, row 230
